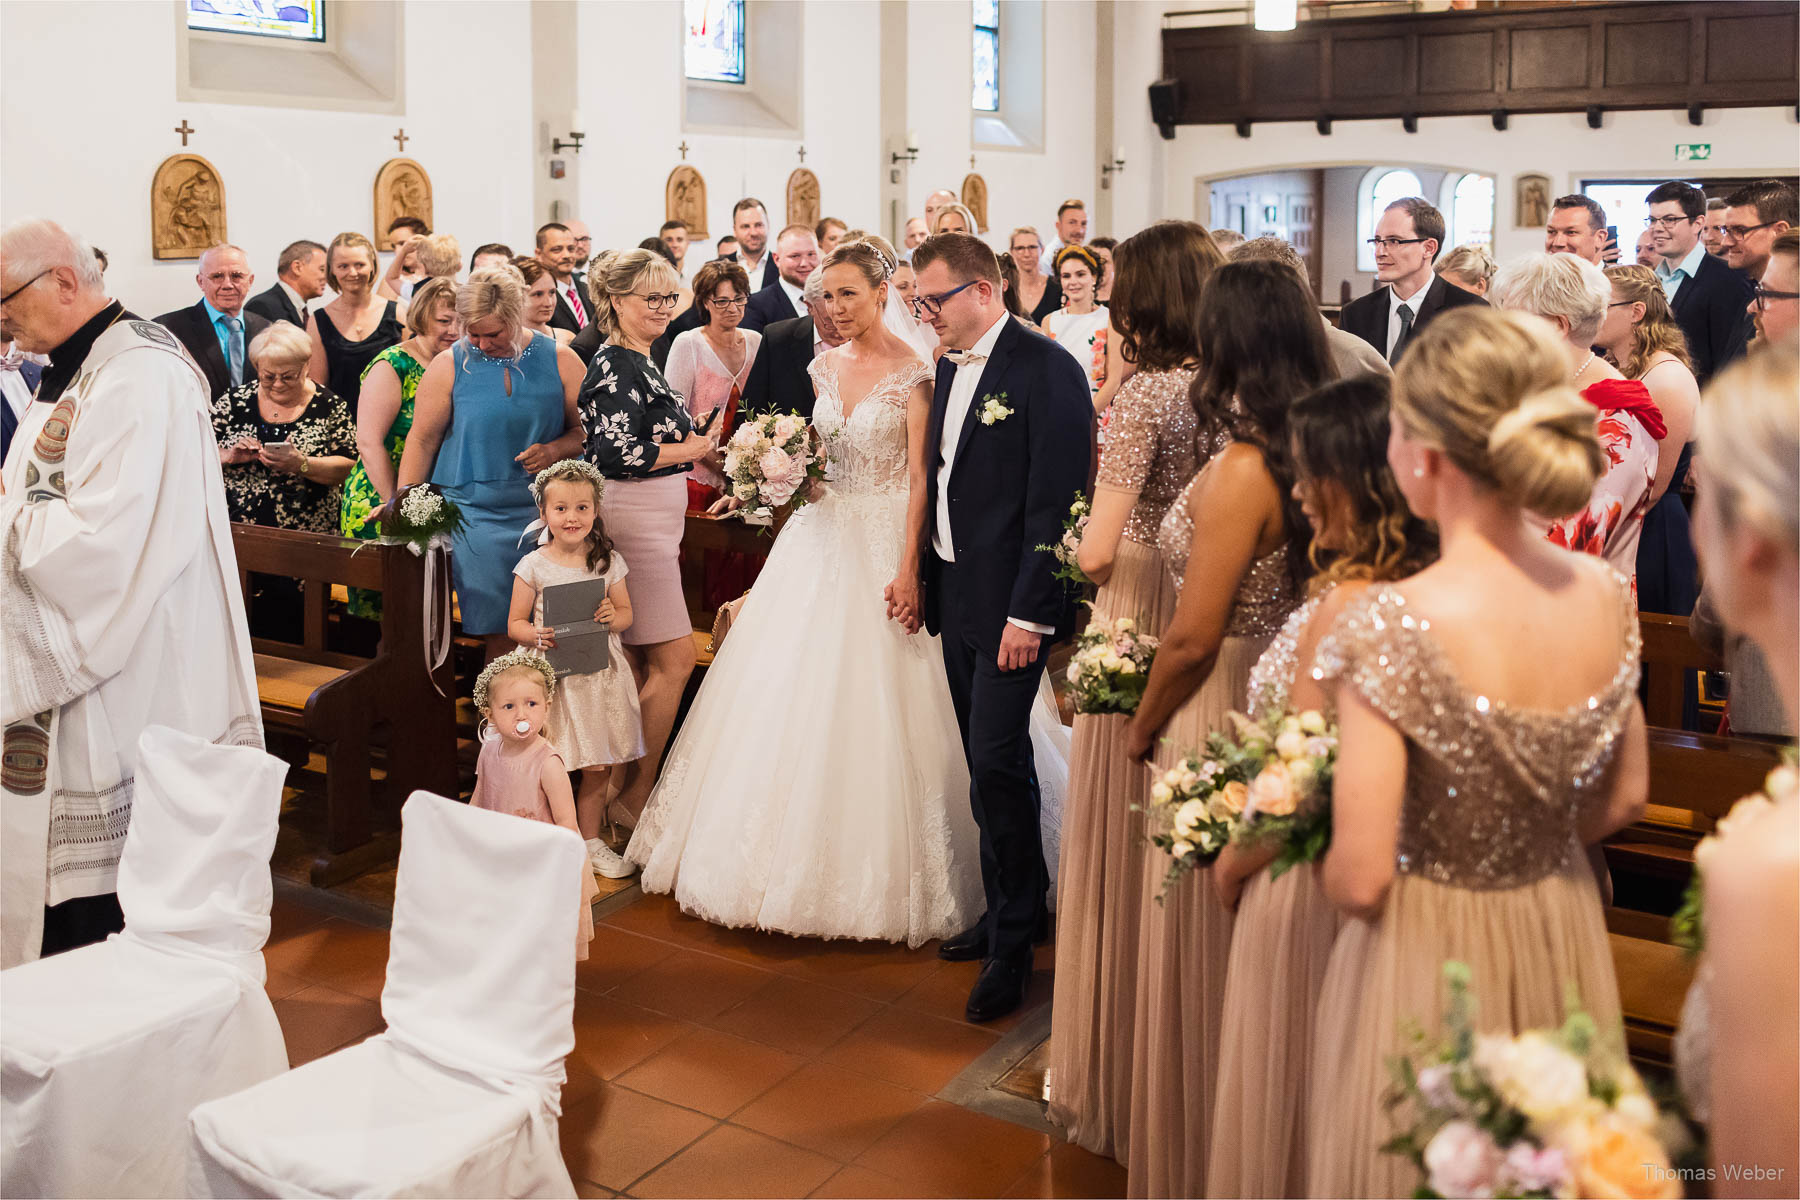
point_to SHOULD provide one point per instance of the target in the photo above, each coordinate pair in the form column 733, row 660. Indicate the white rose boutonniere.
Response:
column 994, row 410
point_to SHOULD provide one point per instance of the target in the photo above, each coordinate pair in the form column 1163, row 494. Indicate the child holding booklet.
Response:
column 595, row 723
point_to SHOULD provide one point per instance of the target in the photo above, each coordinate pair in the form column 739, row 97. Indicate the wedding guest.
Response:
column 1572, row 293
column 1071, row 227
column 429, row 256
column 1775, row 306
column 1641, row 337
column 587, row 342
column 1578, row 226
column 727, row 246
column 556, row 251
column 1349, row 353
column 916, row 232
column 1445, row 725
column 709, row 366
column 1039, row 292
column 1150, row 454
column 299, row 280
column 1469, row 267
column 906, row 282
column 1284, row 928
column 829, row 232
column 1009, row 287
column 779, row 380
column 1749, row 539
column 639, row 434
column 487, row 417
column 1644, row 254
column 1706, row 298
column 1227, row 239
column 490, row 254
column 390, row 386
column 954, row 218
column 286, row 444
column 540, row 300
column 403, row 269
column 796, row 257
column 656, row 245
column 216, row 330
column 1103, row 249
column 750, row 232
column 1233, row 543
column 935, row 204
column 674, row 235
column 1080, row 325
column 1713, row 234
column 357, row 325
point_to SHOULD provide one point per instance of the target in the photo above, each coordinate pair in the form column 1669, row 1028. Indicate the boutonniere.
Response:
column 994, row 410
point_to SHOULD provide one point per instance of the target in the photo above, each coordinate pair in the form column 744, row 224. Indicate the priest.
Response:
column 121, row 605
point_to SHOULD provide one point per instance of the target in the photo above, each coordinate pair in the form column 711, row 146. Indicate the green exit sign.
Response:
column 1693, row 151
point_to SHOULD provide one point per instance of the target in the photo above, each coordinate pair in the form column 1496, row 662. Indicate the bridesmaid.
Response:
column 1152, row 454
column 1748, row 534
column 1284, row 930
column 1265, row 347
column 1489, row 726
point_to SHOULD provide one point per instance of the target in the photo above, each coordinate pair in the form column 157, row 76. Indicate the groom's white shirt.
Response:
column 956, row 411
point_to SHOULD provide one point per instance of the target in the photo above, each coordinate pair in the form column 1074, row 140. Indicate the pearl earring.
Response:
column 1418, row 472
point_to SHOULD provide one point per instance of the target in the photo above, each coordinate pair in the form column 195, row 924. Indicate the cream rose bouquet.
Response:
column 1688, row 925
column 1540, row 1114
column 769, row 462
column 1111, row 667
column 1192, row 808
column 1067, row 546
column 1288, row 759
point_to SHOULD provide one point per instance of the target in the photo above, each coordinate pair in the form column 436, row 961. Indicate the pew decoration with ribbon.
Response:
column 424, row 520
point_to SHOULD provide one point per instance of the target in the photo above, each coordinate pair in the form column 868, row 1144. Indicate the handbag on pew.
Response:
column 727, row 613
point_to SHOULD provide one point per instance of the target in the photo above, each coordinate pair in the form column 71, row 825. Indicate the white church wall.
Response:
column 84, row 155
column 1744, row 141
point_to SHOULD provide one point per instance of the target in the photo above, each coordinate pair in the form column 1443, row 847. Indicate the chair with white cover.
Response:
column 461, row 1095
column 104, row 1050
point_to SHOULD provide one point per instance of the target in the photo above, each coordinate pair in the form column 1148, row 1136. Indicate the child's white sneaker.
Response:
column 605, row 862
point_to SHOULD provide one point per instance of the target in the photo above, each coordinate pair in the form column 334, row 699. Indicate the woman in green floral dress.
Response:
column 385, row 415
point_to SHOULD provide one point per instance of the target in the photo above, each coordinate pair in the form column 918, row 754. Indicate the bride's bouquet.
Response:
column 424, row 519
column 1542, row 1113
column 1111, row 667
column 769, row 462
column 1066, row 548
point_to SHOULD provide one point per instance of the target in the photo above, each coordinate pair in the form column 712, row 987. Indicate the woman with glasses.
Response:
column 641, row 436
column 709, row 365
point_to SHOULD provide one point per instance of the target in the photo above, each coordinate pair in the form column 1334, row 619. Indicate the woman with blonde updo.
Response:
column 1489, row 730
column 1738, row 1056
column 1572, row 294
column 1641, row 337
column 640, row 435
column 1470, row 268
column 487, row 417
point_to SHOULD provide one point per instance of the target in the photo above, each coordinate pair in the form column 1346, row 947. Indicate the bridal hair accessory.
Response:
column 994, row 410
column 568, row 468
column 513, row 660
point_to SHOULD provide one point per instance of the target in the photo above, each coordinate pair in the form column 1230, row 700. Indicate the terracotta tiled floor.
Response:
column 713, row 1062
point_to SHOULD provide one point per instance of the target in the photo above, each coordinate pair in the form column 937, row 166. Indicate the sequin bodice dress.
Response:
column 1151, row 446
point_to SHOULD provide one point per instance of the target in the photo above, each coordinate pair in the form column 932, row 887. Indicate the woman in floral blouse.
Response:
column 641, row 437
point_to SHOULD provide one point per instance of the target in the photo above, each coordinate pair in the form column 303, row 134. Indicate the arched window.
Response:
column 1380, row 188
column 714, row 45
column 1467, row 202
column 986, row 92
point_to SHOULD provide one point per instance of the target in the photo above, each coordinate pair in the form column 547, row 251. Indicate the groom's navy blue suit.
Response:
column 1010, row 486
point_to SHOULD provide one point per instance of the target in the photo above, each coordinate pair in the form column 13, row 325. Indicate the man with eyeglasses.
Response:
column 217, row 331
column 122, row 604
column 1706, row 296
column 1775, row 306
column 796, row 257
column 1756, row 215
column 1407, row 236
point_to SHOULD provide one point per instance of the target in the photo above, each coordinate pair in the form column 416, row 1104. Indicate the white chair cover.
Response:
column 460, row 1096
column 104, row 1050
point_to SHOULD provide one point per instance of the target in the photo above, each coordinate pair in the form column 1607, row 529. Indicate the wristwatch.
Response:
column 305, row 464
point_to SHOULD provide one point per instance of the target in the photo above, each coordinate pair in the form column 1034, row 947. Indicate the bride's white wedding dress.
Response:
column 818, row 785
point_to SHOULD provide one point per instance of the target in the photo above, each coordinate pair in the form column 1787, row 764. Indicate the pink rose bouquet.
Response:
column 769, row 462
column 1290, row 758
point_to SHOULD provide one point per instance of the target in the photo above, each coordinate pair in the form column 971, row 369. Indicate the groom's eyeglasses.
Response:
column 935, row 304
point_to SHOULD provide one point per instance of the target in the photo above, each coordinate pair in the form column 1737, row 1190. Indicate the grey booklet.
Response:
column 583, row 645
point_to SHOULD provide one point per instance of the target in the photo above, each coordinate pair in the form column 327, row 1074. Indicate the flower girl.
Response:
column 518, row 771
column 596, row 724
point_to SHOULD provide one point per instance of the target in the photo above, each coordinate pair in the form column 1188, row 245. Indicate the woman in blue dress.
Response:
column 491, row 414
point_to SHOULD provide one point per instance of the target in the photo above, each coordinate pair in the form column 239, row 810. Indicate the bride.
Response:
column 818, row 786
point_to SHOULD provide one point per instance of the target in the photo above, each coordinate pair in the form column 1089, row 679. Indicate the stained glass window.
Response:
column 1472, row 212
column 987, row 55
column 299, row 20
column 714, row 48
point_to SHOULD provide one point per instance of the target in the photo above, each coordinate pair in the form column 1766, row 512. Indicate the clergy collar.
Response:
column 66, row 359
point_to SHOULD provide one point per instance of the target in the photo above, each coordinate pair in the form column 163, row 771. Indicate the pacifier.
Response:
column 522, row 728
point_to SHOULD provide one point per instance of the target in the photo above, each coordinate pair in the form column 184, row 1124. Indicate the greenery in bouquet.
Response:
column 424, row 518
column 1288, row 759
column 1191, row 810
column 770, row 462
column 1066, row 548
column 1111, row 667
column 1688, row 925
column 1538, row 1114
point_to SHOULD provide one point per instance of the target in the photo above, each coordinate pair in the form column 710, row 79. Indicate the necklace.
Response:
column 1582, row 369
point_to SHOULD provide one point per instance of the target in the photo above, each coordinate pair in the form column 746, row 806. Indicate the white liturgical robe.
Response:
column 119, row 608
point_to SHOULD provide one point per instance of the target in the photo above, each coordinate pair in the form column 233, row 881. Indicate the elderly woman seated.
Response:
column 286, row 444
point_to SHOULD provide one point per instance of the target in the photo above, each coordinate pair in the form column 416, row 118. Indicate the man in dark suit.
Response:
column 1007, row 448
column 556, row 250
column 1407, row 236
column 1707, row 297
column 299, row 278
column 217, row 331
column 796, row 258
column 750, row 226
column 778, row 380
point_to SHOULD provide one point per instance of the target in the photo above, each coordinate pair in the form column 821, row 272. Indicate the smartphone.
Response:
column 705, row 424
column 281, row 445
column 1612, row 235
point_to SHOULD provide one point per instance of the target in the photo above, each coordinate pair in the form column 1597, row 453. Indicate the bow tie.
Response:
column 963, row 358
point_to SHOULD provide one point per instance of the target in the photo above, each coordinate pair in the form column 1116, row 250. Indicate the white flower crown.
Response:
column 506, row 662
column 568, row 468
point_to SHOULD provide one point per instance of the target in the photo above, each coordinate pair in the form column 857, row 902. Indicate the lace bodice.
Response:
column 1493, row 793
column 867, row 453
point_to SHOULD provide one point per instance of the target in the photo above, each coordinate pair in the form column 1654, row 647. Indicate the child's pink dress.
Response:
column 512, row 784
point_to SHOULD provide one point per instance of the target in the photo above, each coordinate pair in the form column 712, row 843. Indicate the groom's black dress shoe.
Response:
column 971, row 945
column 999, row 990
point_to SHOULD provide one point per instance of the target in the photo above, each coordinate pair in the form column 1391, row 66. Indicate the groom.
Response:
column 1006, row 451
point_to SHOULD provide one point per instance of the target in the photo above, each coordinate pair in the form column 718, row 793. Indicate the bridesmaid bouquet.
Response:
column 1289, row 759
column 1193, row 806
column 1074, row 525
column 1688, row 925
column 424, row 519
column 1543, row 1113
column 1111, row 667
column 769, row 461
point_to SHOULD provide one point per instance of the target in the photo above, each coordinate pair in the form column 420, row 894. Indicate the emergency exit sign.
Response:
column 1693, row 151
